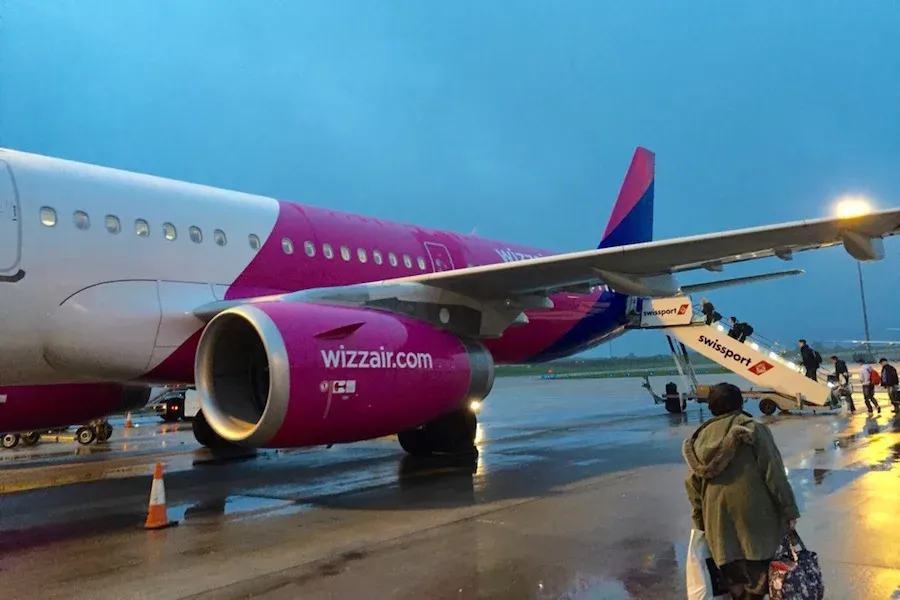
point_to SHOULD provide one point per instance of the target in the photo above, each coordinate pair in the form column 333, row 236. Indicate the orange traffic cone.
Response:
column 156, row 513
column 128, row 421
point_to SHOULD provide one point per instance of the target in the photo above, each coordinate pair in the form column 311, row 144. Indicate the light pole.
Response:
column 862, row 297
column 849, row 207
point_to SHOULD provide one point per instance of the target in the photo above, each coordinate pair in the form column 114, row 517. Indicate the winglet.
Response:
column 631, row 221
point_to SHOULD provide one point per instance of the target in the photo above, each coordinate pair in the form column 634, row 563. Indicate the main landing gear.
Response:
column 204, row 434
column 453, row 433
column 11, row 440
column 99, row 431
column 95, row 431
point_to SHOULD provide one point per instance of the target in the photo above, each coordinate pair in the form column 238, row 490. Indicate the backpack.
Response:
column 818, row 357
column 748, row 330
column 874, row 377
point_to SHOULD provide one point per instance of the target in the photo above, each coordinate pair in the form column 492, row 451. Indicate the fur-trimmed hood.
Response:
column 713, row 446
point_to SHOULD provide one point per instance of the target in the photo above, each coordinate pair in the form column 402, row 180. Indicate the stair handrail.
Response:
column 770, row 348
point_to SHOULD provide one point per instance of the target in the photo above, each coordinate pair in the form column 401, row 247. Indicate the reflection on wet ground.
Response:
column 577, row 493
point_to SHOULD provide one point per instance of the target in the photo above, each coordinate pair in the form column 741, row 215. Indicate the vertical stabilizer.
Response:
column 631, row 221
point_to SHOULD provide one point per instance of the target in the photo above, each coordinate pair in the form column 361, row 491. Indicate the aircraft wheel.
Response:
column 204, row 434
column 85, row 435
column 453, row 433
column 415, row 442
column 31, row 438
column 9, row 440
column 104, row 432
column 767, row 406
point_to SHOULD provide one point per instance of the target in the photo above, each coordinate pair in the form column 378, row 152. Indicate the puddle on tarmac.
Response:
column 593, row 588
column 238, row 506
column 820, row 482
column 589, row 462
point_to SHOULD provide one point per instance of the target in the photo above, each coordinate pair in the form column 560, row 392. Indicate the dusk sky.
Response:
column 518, row 118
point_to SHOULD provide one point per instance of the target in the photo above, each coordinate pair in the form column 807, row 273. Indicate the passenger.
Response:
column 810, row 358
column 890, row 382
column 843, row 390
column 840, row 370
column 735, row 330
column 739, row 492
column 869, row 378
column 739, row 330
column 707, row 308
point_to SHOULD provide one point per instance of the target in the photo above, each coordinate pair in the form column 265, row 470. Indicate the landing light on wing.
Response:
column 853, row 206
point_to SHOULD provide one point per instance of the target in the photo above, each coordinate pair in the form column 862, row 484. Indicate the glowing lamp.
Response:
column 853, row 206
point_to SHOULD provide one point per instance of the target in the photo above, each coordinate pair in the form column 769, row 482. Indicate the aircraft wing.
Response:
column 500, row 293
column 666, row 257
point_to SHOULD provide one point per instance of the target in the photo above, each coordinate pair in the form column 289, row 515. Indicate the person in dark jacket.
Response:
column 810, row 359
column 739, row 493
column 840, row 370
column 739, row 330
column 735, row 330
column 709, row 311
column 890, row 382
column 841, row 379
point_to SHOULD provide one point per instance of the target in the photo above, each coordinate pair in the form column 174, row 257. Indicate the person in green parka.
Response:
column 740, row 495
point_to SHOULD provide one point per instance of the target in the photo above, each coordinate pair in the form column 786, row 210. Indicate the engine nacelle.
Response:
column 35, row 407
column 282, row 374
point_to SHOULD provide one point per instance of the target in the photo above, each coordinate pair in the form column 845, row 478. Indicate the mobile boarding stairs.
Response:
column 779, row 382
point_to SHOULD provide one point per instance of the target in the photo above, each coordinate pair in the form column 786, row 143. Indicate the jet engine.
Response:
column 282, row 374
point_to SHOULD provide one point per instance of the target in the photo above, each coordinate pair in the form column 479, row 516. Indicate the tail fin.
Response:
column 631, row 221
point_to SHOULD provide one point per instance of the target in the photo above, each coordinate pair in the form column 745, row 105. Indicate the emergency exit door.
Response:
column 440, row 257
column 9, row 222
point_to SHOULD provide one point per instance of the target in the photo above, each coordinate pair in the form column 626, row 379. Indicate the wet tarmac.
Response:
column 577, row 493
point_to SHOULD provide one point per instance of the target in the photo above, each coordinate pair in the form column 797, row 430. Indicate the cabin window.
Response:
column 309, row 248
column 361, row 255
column 376, row 256
column 345, row 252
column 141, row 228
column 169, row 232
column 421, row 262
column 327, row 252
column 407, row 261
column 112, row 224
column 82, row 220
column 392, row 258
column 196, row 234
column 253, row 239
column 287, row 245
column 219, row 237
column 48, row 216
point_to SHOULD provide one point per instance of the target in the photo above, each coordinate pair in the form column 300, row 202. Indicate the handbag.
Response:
column 704, row 581
column 794, row 573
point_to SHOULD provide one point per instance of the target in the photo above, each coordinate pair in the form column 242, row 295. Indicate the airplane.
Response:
column 304, row 326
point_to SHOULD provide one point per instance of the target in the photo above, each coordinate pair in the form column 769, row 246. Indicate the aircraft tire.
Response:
column 453, row 433
column 204, row 434
column 31, row 438
column 104, row 432
column 85, row 435
column 767, row 406
column 9, row 440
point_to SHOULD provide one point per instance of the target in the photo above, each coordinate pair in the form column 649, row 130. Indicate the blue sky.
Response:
column 515, row 118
